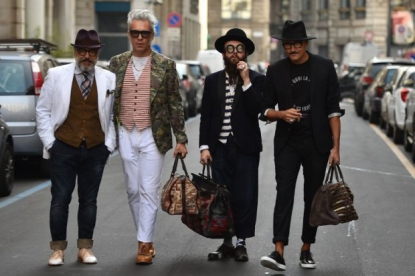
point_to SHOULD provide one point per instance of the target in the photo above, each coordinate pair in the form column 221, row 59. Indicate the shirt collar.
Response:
column 78, row 71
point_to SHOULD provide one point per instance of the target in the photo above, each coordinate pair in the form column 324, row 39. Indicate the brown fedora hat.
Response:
column 238, row 35
column 87, row 39
column 293, row 31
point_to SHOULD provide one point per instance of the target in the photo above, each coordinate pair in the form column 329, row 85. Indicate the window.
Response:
column 344, row 11
column 360, row 9
column 306, row 5
column 111, row 18
column 236, row 9
column 323, row 10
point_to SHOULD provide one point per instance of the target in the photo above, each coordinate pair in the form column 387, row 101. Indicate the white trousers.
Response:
column 143, row 165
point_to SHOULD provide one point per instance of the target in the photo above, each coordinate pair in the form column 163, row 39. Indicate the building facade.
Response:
column 187, row 26
column 178, row 34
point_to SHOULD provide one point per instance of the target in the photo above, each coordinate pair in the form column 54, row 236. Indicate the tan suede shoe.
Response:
column 86, row 256
column 145, row 253
column 56, row 258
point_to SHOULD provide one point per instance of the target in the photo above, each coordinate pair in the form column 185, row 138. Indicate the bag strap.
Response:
column 183, row 180
column 329, row 175
column 173, row 171
column 208, row 170
column 176, row 160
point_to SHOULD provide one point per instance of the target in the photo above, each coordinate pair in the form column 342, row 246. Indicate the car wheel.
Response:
column 406, row 144
column 389, row 129
column 397, row 135
column 45, row 168
column 413, row 146
column 373, row 117
column 7, row 171
column 382, row 123
column 357, row 106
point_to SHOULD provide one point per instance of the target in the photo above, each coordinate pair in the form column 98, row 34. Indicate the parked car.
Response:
column 23, row 67
column 374, row 93
column 347, row 82
column 397, row 105
column 6, row 159
column 387, row 96
column 372, row 68
column 192, row 75
column 409, row 127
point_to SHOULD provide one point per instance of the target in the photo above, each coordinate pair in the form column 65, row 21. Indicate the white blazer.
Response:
column 53, row 104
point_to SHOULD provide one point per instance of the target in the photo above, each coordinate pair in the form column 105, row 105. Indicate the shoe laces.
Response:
column 306, row 256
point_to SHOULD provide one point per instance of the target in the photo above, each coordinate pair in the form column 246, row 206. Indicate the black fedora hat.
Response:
column 293, row 31
column 87, row 39
column 238, row 35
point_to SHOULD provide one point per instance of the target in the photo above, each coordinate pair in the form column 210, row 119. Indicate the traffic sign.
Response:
column 156, row 48
column 157, row 30
column 174, row 19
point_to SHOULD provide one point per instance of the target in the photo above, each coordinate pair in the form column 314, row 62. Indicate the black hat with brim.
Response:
column 238, row 35
column 87, row 39
column 293, row 31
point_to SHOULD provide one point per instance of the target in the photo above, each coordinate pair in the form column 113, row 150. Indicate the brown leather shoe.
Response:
column 145, row 253
column 152, row 251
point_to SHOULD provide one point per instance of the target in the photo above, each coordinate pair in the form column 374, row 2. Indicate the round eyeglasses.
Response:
column 91, row 52
column 240, row 48
column 288, row 45
column 144, row 34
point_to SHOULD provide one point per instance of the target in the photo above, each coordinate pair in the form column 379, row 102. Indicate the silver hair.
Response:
column 139, row 14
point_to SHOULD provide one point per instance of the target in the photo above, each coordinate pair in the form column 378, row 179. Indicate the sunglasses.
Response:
column 288, row 45
column 144, row 34
column 91, row 52
column 240, row 48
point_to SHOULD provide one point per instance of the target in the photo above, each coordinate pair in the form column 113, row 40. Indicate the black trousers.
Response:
column 287, row 166
column 239, row 172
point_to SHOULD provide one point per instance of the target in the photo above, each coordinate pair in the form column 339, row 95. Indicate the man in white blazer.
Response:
column 75, row 123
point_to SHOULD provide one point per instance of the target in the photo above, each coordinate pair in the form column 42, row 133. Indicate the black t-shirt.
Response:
column 301, row 131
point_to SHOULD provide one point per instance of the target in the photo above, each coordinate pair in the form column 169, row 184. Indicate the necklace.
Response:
column 140, row 65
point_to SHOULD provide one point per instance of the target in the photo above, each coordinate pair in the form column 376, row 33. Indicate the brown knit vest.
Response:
column 83, row 121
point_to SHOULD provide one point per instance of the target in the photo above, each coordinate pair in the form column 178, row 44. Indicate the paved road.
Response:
column 379, row 243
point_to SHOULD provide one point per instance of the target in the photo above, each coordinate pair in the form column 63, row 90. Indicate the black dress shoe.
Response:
column 224, row 251
column 240, row 254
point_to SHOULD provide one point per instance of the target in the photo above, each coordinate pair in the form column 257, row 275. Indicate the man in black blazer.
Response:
column 306, row 90
column 230, row 136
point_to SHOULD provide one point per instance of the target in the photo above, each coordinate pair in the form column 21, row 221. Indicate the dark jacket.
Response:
column 324, row 100
column 244, row 116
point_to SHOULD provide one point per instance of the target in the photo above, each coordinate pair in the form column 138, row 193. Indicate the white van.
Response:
column 212, row 59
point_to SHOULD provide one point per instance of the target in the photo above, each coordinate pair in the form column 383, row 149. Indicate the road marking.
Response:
column 33, row 190
column 407, row 164
column 24, row 194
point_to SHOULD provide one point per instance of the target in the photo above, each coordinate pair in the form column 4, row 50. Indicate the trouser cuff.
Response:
column 85, row 243
column 58, row 245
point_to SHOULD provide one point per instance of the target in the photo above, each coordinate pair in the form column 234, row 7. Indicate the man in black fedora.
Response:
column 230, row 136
column 306, row 90
column 74, row 121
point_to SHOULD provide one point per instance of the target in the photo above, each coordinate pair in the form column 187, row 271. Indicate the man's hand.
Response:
column 180, row 148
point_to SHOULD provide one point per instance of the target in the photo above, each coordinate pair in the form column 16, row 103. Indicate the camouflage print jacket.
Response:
column 166, row 110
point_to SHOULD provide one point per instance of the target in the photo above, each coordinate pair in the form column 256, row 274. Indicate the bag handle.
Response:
column 176, row 160
column 208, row 170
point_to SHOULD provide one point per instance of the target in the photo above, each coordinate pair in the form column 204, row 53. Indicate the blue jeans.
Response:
column 68, row 163
column 239, row 172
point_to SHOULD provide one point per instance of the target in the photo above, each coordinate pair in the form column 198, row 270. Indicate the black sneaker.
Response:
column 306, row 260
column 224, row 251
column 240, row 254
column 274, row 261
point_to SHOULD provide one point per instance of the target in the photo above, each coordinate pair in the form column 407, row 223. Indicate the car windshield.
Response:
column 196, row 70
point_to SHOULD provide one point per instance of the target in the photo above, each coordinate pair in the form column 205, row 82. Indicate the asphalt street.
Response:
column 380, row 242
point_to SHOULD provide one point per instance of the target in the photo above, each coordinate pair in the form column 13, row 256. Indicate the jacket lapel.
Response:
column 158, row 70
column 222, row 90
column 101, row 85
